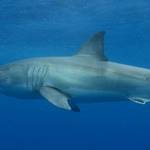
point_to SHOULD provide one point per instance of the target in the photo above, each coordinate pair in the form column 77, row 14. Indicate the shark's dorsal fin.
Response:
column 94, row 48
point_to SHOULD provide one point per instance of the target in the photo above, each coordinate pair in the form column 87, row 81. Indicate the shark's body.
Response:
column 86, row 75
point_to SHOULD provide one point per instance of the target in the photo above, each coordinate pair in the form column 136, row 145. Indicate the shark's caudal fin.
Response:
column 94, row 48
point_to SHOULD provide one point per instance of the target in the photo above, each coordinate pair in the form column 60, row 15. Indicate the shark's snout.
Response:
column 4, row 79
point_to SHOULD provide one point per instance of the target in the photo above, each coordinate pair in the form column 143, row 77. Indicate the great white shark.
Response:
column 87, row 74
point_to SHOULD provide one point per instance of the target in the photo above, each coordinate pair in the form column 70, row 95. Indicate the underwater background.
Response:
column 33, row 28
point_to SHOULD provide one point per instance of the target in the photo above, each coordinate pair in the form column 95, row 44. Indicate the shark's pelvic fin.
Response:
column 139, row 100
column 94, row 48
column 58, row 98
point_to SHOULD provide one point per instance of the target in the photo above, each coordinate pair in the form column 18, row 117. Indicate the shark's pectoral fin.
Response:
column 139, row 100
column 58, row 98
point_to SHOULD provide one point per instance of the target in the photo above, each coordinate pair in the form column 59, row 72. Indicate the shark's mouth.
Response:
column 3, row 77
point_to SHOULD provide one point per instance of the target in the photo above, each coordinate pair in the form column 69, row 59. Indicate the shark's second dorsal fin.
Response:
column 94, row 48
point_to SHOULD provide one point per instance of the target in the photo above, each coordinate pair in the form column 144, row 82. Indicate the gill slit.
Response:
column 38, row 78
column 33, row 77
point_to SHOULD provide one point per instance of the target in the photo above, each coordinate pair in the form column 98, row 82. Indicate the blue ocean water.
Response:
column 58, row 27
